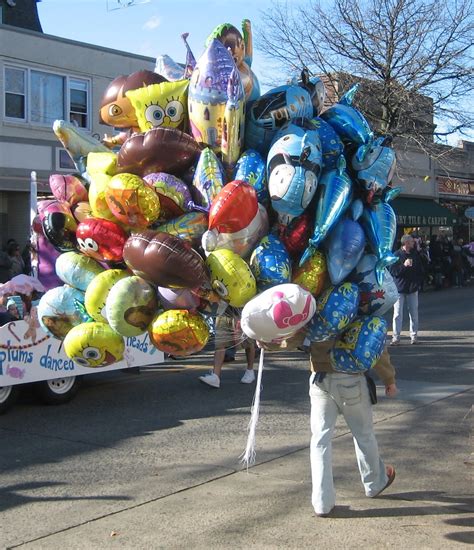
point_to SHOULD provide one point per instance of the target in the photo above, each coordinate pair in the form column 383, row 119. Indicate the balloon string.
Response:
column 249, row 455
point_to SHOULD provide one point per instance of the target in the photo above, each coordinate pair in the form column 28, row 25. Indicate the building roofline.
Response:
column 37, row 34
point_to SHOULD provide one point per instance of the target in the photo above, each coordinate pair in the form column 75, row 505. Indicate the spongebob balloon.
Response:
column 231, row 277
column 94, row 345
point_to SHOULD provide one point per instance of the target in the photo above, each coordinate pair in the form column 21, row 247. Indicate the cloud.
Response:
column 152, row 23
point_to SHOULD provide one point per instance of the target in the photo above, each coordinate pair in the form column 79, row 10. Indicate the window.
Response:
column 40, row 98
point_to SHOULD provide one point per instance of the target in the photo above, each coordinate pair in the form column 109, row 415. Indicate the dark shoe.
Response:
column 390, row 470
column 327, row 514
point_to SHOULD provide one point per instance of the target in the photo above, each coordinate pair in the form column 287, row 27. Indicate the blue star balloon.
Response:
column 252, row 168
column 270, row 263
column 331, row 144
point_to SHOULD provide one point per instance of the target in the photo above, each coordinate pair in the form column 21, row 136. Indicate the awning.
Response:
column 421, row 212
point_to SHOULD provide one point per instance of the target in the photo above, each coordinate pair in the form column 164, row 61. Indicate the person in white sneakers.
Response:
column 228, row 334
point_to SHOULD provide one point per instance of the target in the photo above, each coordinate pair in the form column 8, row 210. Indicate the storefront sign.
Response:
column 455, row 186
column 418, row 221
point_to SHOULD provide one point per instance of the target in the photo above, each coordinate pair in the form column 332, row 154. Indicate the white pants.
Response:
column 412, row 304
column 346, row 394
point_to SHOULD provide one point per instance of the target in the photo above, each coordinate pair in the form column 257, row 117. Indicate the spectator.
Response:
column 26, row 255
column 5, row 267
column 408, row 275
column 436, row 264
column 18, row 265
column 457, row 264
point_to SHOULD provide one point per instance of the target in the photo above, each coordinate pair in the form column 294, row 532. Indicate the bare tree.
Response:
column 412, row 57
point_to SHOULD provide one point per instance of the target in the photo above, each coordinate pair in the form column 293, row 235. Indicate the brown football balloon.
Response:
column 158, row 150
column 165, row 260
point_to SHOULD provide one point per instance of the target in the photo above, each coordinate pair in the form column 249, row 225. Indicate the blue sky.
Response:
column 152, row 28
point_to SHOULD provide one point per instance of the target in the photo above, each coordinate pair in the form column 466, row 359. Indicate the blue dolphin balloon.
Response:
column 270, row 263
column 331, row 144
column 334, row 197
column 377, row 168
column 360, row 346
column 344, row 248
column 350, row 124
column 335, row 309
column 293, row 167
column 380, row 226
column 252, row 168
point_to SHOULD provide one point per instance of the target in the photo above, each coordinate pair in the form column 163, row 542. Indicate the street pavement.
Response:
column 152, row 460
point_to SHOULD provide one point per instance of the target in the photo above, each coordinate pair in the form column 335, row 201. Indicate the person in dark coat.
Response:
column 408, row 274
column 5, row 267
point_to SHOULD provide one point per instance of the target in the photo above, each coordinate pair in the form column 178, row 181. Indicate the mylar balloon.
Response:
column 101, row 239
column 98, row 204
column 60, row 230
column 81, row 211
column 158, row 150
column 165, row 260
column 179, row 298
column 68, row 187
column 331, row 144
column 175, row 197
column 132, row 201
column 252, row 168
column 76, row 269
column 231, row 277
column 344, row 248
column 179, row 332
column 209, row 178
column 335, row 309
column 102, row 163
column 312, row 275
column 188, row 227
column 98, row 290
column 375, row 299
column 162, row 105
column 270, row 263
column 94, row 345
column 131, row 305
column 295, row 235
column 360, row 346
column 277, row 313
column 58, row 311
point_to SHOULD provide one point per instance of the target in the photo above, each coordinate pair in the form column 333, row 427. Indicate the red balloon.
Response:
column 234, row 207
column 295, row 236
column 158, row 150
column 165, row 260
column 101, row 239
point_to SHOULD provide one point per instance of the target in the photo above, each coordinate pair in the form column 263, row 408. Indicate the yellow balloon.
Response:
column 312, row 275
column 231, row 277
column 97, row 200
column 132, row 201
column 179, row 332
column 94, row 345
column 102, row 163
column 161, row 105
column 98, row 290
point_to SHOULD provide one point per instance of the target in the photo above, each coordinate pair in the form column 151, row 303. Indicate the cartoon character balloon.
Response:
column 231, row 277
column 375, row 299
column 101, row 239
column 58, row 310
column 94, row 345
column 131, row 305
column 98, row 290
column 336, row 307
column 277, row 313
column 360, row 346
column 293, row 167
column 270, row 263
column 179, row 332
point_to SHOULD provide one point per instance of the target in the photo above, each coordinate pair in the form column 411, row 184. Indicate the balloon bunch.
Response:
column 215, row 196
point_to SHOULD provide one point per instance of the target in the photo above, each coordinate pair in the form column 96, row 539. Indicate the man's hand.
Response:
column 391, row 390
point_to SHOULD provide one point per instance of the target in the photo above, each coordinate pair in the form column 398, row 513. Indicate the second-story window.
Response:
column 39, row 97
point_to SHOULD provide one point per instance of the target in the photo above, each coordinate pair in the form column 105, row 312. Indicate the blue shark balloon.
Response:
column 360, row 346
column 270, row 263
column 334, row 197
column 335, row 309
column 331, row 144
column 293, row 167
column 208, row 178
column 252, row 168
column 380, row 226
column 377, row 168
column 272, row 111
column 375, row 299
column 344, row 248
column 350, row 124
